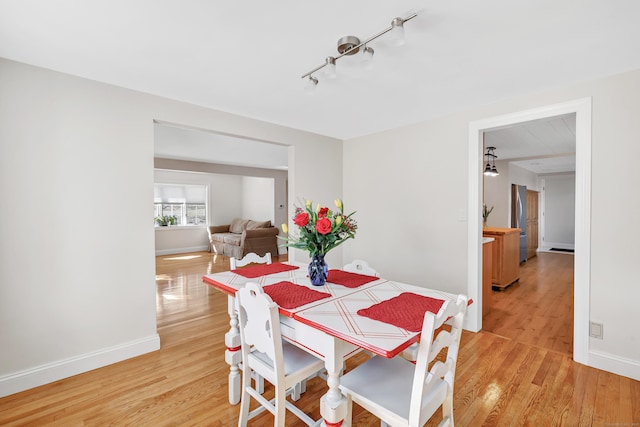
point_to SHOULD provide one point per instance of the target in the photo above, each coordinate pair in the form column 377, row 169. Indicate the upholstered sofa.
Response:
column 243, row 236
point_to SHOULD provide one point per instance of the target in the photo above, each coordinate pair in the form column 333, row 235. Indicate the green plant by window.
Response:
column 165, row 220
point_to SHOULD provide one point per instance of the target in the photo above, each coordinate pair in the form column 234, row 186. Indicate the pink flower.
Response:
column 323, row 226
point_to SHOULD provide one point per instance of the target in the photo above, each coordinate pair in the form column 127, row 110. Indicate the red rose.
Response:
column 323, row 226
column 301, row 219
column 322, row 213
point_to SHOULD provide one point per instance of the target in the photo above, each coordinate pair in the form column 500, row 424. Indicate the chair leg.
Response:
column 297, row 390
column 447, row 411
column 259, row 382
column 245, row 399
column 349, row 415
column 280, row 407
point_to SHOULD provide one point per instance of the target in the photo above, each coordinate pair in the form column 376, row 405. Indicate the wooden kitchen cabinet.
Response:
column 506, row 255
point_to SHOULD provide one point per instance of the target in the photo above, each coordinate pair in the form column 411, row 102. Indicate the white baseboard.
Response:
column 172, row 251
column 615, row 364
column 44, row 374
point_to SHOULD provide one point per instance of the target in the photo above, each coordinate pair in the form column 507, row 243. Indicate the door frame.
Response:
column 582, row 280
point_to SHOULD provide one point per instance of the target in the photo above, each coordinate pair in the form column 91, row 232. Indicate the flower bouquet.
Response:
column 319, row 231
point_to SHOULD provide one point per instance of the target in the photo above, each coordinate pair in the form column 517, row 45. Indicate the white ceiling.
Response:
column 247, row 57
column 543, row 146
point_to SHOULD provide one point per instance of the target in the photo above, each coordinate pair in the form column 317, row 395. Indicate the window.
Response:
column 187, row 202
column 196, row 213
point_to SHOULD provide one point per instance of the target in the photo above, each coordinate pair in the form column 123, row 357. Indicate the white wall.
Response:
column 180, row 239
column 73, row 152
column 521, row 176
column 558, row 205
column 497, row 191
column 257, row 199
column 225, row 199
column 413, row 219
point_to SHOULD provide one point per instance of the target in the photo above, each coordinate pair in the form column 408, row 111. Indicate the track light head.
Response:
column 330, row 67
column 367, row 57
column 310, row 87
column 397, row 31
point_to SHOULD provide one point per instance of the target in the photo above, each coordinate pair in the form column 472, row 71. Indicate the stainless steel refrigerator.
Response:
column 519, row 216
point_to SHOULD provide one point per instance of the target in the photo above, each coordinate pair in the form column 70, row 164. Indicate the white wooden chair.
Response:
column 403, row 394
column 360, row 267
column 264, row 352
column 248, row 259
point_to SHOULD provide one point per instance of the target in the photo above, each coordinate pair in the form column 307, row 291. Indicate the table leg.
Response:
column 333, row 405
column 232, row 355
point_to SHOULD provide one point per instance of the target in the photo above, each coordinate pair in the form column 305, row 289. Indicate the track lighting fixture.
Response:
column 490, row 168
column 350, row 45
column 367, row 58
column 310, row 87
column 397, row 31
column 330, row 70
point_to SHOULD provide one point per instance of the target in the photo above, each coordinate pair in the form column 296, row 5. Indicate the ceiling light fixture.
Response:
column 367, row 58
column 350, row 45
column 397, row 31
column 330, row 71
column 310, row 87
column 490, row 168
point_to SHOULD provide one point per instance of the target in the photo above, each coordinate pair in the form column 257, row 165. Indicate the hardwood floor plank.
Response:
column 527, row 311
column 517, row 391
column 506, row 377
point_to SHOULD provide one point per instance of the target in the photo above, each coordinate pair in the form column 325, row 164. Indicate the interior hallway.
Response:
column 538, row 309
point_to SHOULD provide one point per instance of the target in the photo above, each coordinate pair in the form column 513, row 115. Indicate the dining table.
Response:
column 351, row 312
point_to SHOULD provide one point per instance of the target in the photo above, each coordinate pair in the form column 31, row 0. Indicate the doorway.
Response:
column 582, row 109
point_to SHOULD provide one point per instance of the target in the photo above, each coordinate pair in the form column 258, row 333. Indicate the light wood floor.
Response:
column 538, row 309
column 502, row 379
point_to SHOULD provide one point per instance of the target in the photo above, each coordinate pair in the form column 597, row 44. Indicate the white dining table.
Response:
column 329, row 328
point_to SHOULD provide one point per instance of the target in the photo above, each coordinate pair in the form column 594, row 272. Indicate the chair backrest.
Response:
column 426, row 379
column 361, row 267
column 259, row 323
column 249, row 258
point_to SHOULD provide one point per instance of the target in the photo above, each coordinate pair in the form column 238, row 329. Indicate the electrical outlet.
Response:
column 595, row 330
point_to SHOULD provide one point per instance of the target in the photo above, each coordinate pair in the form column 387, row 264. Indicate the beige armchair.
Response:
column 243, row 236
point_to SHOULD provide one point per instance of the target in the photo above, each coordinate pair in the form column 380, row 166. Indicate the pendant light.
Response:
column 490, row 168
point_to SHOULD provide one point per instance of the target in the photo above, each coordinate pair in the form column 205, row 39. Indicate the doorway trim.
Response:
column 582, row 280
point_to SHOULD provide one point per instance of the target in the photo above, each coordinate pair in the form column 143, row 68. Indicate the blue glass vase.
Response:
column 318, row 270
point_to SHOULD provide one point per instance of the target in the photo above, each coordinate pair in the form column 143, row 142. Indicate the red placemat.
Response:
column 348, row 279
column 263, row 269
column 404, row 311
column 289, row 295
